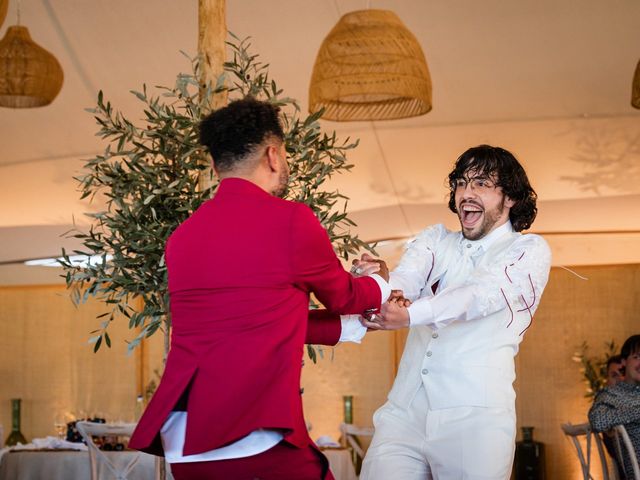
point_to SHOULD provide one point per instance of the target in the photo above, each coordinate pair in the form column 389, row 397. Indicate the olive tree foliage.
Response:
column 149, row 176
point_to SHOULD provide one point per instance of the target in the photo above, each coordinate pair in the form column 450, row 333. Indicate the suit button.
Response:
column 429, row 353
column 425, row 371
column 434, row 335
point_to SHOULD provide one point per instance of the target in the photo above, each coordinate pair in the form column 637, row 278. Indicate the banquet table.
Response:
column 66, row 465
column 74, row 465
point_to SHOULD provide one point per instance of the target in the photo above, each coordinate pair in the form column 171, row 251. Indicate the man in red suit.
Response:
column 241, row 269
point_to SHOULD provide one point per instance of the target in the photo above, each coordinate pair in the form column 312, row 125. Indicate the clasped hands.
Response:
column 393, row 314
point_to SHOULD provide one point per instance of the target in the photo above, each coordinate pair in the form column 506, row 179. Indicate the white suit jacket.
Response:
column 463, row 338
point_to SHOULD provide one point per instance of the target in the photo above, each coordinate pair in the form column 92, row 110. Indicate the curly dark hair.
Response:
column 630, row 346
column 234, row 131
column 498, row 163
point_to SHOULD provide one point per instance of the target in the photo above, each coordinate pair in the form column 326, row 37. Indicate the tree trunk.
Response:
column 212, row 34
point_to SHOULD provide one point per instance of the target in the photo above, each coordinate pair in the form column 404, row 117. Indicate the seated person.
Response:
column 615, row 375
column 615, row 370
column 620, row 404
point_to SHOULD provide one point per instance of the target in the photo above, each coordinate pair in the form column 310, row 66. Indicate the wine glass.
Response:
column 60, row 424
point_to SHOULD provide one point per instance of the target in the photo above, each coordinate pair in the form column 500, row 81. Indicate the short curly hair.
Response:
column 510, row 176
column 235, row 131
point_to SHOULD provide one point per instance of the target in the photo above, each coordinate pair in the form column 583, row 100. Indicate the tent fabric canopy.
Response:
column 549, row 81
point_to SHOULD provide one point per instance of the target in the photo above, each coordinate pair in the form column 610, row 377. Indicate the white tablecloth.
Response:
column 65, row 465
column 72, row 465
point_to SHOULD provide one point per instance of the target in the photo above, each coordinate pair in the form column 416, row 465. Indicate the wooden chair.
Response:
column 575, row 434
column 349, row 435
column 119, row 471
column 623, row 444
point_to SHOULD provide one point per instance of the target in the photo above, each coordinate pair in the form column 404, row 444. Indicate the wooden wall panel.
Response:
column 365, row 371
column 45, row 360
column 549, row 385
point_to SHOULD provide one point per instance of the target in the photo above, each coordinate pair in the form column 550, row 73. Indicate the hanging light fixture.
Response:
column 30, row 76
column 635, row 89
column 370, row 67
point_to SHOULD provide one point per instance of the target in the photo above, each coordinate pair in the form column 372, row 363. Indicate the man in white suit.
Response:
column 451, row 412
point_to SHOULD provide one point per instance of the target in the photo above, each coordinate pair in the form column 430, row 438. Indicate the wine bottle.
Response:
column 16, row 436
column 529, row 459
column 347, row 401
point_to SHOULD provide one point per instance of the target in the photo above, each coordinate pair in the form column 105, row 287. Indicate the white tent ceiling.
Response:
column 548, row 79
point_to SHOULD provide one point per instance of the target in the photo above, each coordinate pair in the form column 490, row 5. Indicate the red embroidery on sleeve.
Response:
column 528, row 307
column 508, row 305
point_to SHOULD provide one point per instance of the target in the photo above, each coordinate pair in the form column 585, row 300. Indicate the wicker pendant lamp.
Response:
column 30, row 76
column 370, row 67
column 635, row 90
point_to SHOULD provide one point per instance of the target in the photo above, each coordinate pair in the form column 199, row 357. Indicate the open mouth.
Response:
column 470, row 214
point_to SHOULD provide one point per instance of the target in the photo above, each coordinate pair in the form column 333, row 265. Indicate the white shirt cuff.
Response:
column 385, row 288
column 352, row 329
column 420, row 313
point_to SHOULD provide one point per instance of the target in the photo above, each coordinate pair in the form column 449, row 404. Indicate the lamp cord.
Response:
column 382, row 154
column 391, row 181
column 18, row 11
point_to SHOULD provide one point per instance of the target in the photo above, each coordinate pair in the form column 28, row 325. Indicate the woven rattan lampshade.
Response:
column 635, row 90
column 29, row 75
column 370, row 67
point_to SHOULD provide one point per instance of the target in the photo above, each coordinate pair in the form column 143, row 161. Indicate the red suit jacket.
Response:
column 240, row 272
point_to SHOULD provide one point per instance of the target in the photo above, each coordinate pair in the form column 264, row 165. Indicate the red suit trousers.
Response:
column 282, row 462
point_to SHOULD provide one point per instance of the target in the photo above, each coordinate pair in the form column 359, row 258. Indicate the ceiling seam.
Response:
column 71, row 156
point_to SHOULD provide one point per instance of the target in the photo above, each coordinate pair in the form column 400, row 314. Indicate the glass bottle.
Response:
column 16, row 435
column 529, row 461
column 139, row 408
column 347, row 402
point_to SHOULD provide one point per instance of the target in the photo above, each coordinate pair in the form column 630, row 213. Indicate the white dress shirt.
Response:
column 469, row 314
column 467, row 293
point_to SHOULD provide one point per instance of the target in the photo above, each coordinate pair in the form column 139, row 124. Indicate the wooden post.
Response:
column 212, row 34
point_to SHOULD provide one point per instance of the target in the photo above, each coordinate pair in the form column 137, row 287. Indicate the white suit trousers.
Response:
column 462, row 443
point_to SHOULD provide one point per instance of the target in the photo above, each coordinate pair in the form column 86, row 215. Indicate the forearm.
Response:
column 516, row 283
column 604, row 416
column 454, row 304
column 323, row 328
column 326, row 328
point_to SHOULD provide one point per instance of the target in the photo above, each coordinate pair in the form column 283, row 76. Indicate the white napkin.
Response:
column 327, row 441
column 42, row 443
column 55, row 442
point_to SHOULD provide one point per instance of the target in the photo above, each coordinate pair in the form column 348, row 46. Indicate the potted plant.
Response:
column 149, row 176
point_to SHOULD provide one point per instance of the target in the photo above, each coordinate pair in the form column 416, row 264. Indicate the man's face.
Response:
column 283, row 178
column 632, row 368
column 614, row 374
column 482, row 205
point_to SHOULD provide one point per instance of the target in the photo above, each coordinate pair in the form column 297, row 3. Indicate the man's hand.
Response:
column 393, row 314
column 370, row 265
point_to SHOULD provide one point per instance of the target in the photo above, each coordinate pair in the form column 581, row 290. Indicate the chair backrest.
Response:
column 623, row 445
column 350, row 434
column 120, row 471
column 575, row 434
